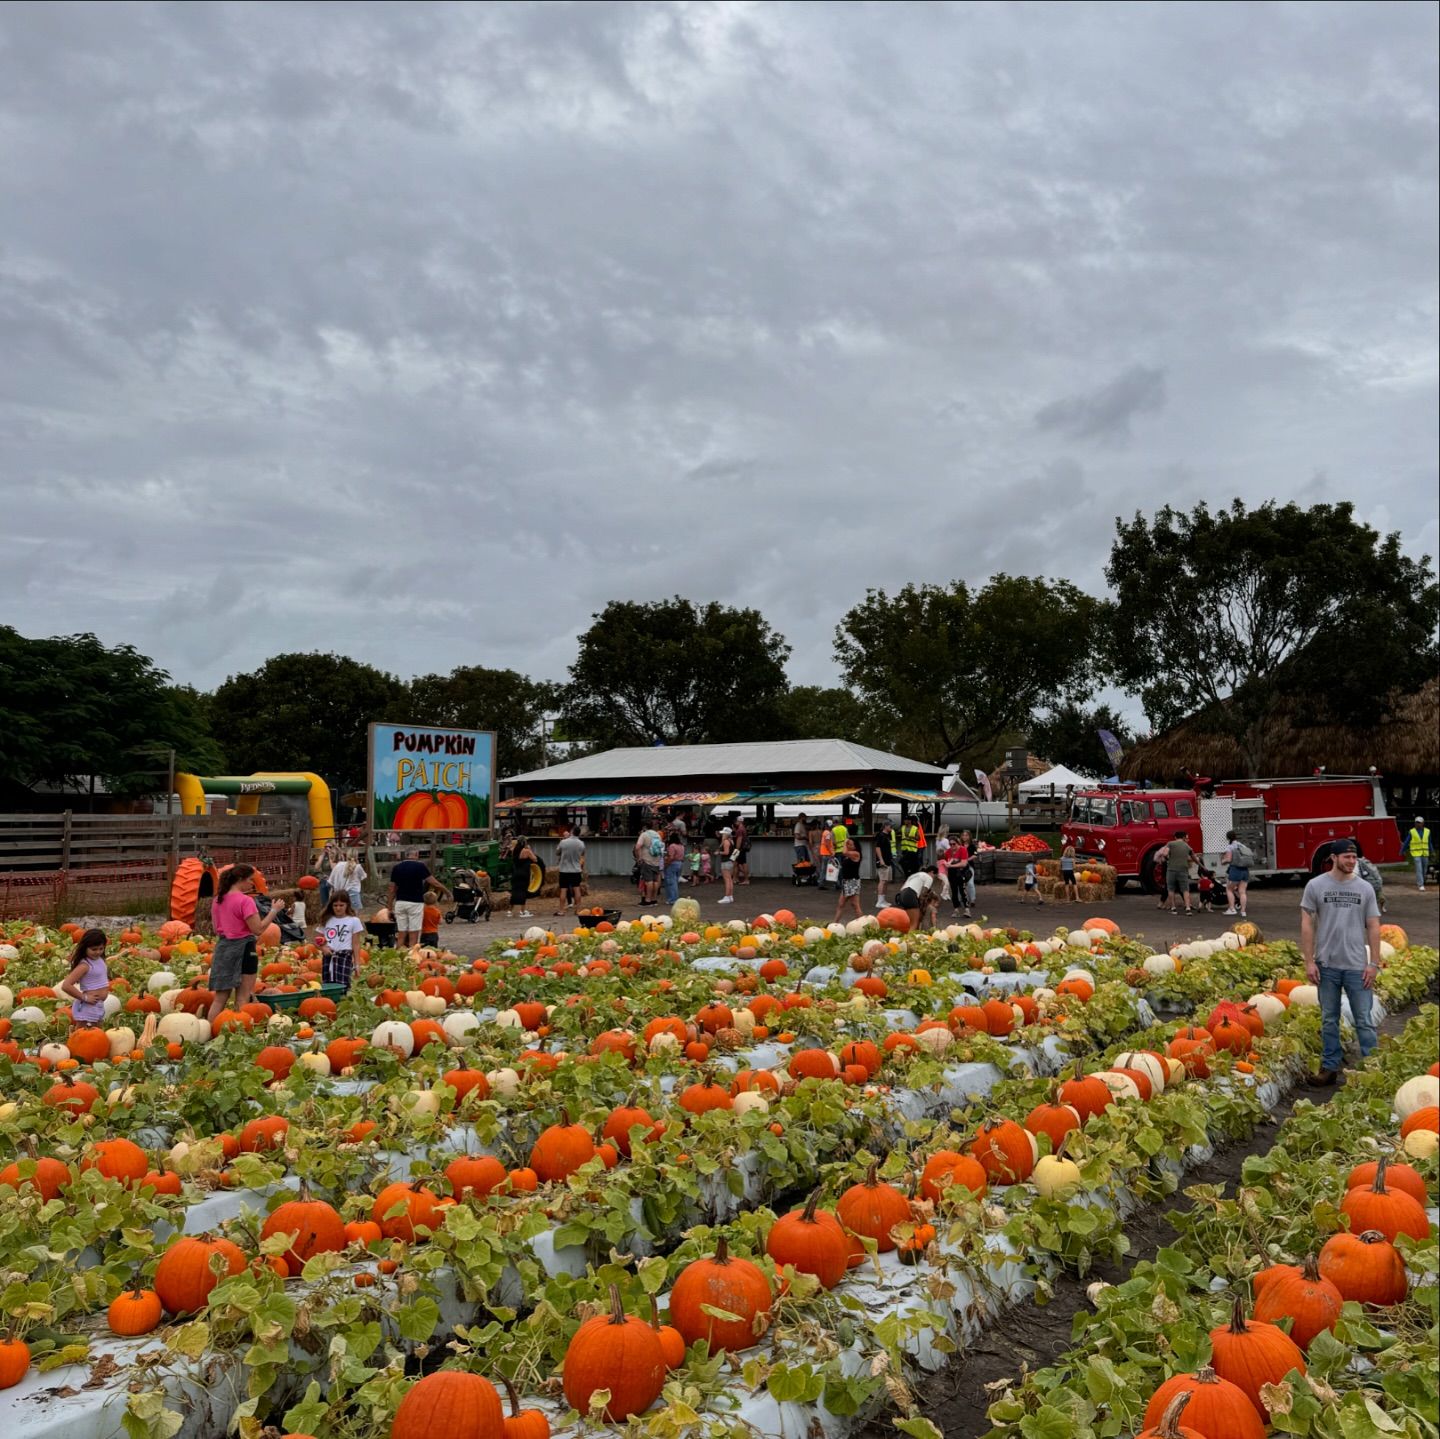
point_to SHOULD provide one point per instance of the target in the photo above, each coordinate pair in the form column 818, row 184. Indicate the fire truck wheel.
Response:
column 1148, row 882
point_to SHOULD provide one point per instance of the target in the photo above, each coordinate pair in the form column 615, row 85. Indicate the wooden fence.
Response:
column 59, row 866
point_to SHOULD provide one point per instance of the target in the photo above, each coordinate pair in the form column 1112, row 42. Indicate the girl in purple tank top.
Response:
column 88, row 983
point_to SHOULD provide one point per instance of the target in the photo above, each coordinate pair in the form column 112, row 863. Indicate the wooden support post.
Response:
column 65, row 839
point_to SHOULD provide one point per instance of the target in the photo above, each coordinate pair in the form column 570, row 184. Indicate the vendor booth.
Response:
column 609, row 798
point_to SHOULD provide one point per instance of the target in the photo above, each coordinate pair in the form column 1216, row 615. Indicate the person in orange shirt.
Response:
column 827, row 858
column 430, row 920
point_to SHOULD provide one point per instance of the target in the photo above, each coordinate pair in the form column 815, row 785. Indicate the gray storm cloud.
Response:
column 422, row 330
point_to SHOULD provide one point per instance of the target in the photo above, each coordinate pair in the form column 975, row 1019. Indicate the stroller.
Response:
column 1213, row 894
column 802, row 873
column 471, row 894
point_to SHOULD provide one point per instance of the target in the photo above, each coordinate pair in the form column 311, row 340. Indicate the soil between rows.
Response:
column 956, row 1397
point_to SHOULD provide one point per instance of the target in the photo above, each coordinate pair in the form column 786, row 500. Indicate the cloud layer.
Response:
column 421, row 331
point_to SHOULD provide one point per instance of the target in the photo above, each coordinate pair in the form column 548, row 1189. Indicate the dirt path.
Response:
column 955, row 1398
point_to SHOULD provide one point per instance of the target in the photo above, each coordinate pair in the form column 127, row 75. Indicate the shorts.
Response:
column 727, row 865
column 884, row 872
column 430, row 938
column 231, row 960
column 570, row 881
column 649, row 873
column 338, row 967
column 907, row 899
column 1067, row 876
column 409, row 915
column 1238, row 874
column 1177, row 881
column 849, row 888
column 1029, row 885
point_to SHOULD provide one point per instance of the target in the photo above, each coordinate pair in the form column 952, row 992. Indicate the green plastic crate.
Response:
column 292, row 1001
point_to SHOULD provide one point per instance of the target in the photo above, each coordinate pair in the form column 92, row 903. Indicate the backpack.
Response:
column 657, row 847
column 1241, row 854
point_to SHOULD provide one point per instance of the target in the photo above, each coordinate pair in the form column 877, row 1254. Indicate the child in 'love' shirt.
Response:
column 336, row 935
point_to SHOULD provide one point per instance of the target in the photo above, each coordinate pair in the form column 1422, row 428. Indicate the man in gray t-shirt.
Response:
column 1178, row 855
column 1340, row 940
column 569, row 862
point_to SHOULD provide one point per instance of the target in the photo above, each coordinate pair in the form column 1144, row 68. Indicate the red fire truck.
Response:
column 1287, row 823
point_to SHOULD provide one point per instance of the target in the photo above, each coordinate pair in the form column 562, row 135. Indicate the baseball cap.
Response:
column 727, row 830
column 1344, row 846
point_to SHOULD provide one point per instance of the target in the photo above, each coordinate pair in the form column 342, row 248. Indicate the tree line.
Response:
column 1216, row 614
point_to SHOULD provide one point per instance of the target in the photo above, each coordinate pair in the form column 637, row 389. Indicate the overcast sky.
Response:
column 419, row 332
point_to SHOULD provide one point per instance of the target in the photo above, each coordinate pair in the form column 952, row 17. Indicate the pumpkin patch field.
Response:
column 749, row 1179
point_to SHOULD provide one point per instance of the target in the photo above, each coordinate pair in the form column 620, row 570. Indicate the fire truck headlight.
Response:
column 1099, row 844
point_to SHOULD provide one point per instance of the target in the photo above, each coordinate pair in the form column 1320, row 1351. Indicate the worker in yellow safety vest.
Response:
column 1420, row 850
column 909, row 847
column 922, row 843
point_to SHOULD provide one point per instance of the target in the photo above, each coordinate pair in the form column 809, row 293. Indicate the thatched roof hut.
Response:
column 1405, row 749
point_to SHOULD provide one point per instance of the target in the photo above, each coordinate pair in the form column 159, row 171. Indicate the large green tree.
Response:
column 306, row 712
column 829, row 712
column 1221, row 615
column 474, row 697
column 674, row 672
column 1069, row 734
column 72, row 707
column 956, row 671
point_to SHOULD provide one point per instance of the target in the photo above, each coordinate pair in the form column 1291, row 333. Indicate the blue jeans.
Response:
column 324, row 893
column 354, row 900
column 1334, row 983
column 1422, row 863
column 671, row 880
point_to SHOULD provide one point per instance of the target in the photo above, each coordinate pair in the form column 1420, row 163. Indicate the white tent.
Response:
column 1059, row 776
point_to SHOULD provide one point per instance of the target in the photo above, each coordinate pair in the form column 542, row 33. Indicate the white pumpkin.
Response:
column 160, row 981
column 743, row 1020
column 1177, row 1071
column 1120, row 1085
column 1304, row 996
column 935, row 1041
column 1268, row 1006
column 505, row 1083
column 856, row 927
column 1095, row 1290
column 1231, row 940
column 183, row 1028
column 280, row 1022
column 814, row 934
column 859, row 1003
column 432, row 1005
column 994, row 956
column 122, row 1097
column 9, row 952
column 750, row 1099
column 1150, row 1065
column 191, row 1156
column 1056, row 1177
column 1159, row 964
column 1081, row 974
column 168, row 999
column 536, row 934
column 1043, row 995
column 663, row 921
column 1422, row 1092
column 55, row 1053
column 1078, row 939
column 509, row 1019
column 8, row 1111
column 737, row 926
column 28, row 1014
column 316, row 1060
column 122, row 1041
column 662, row 1042
column 1387, row 950
column 394, row 1034
column 7, row 999
column 1421, row 1143
column 111, row 1006
column 416, row 1103
column 459, row 1024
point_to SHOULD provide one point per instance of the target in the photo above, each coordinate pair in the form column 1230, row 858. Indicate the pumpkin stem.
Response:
column 1206, row 1375
column 722, row 1251
column 1064, row 1140
column 617, row 1307
column 1372, row 1236
column 871, row 1176
column 1310, row 1268
column 1379, row 1185
column 1170, row 1422
column 515, row 1398
column 1237, row 1316
column 808, row 1213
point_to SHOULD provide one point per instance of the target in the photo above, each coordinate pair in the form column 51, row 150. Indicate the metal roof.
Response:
column 662, row 762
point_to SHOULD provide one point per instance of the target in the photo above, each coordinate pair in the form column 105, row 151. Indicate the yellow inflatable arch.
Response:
column 248, row 790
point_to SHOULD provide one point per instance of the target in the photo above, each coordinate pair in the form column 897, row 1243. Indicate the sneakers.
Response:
column 525, row 914
column 1324, row 1079
column 726, row 899
column 1232, row 911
